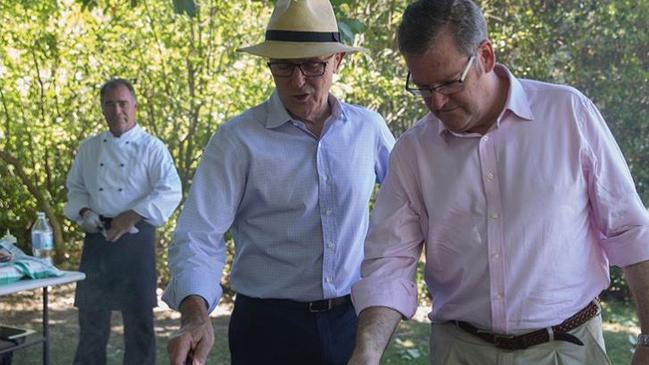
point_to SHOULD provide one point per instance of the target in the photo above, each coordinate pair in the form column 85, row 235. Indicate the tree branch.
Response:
column 41, row 199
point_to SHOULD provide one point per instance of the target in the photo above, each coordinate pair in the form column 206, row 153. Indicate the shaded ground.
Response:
column 25, row 310
column 409, row 345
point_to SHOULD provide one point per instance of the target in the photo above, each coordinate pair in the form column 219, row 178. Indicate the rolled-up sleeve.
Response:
column 393, row 245
column 620, row 215
column 197, row 254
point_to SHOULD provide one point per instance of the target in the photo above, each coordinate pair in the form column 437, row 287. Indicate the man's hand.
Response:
column 90, row 221
column 122, row 224
column 196, row 335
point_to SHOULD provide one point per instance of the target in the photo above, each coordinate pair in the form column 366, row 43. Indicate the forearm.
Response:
column 375, row 327
column 637, row 276
column 193, row 309
column 129, row 217
column 123, row 223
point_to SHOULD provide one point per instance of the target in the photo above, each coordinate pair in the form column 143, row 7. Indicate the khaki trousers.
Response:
column 450, row 345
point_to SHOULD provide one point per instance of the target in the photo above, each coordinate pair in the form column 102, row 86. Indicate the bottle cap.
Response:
column 8, row 237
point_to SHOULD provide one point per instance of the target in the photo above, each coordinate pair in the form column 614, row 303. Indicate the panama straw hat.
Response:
column 301, row 29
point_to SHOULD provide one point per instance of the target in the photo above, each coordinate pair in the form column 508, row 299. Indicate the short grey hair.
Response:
column 423, row 20
column 113, row 83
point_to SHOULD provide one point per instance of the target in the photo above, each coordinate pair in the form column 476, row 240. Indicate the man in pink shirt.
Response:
column 521, row 199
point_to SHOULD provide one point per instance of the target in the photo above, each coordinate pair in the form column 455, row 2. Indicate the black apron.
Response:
column 119, row 275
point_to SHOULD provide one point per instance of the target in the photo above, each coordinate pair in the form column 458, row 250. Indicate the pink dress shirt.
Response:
column 519, row 225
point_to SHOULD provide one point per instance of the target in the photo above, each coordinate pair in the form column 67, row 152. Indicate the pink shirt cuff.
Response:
column 394, row 293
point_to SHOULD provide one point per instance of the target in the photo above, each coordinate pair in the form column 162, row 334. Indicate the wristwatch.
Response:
column 643, row 340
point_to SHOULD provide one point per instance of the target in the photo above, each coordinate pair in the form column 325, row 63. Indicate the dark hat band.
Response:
column 291, row 36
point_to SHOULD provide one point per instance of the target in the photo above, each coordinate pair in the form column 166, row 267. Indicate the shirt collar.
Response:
column 129, row 136
column 278, row 115
column 516, row 103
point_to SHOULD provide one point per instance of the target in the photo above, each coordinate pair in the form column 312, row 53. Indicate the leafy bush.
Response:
column 189, row 79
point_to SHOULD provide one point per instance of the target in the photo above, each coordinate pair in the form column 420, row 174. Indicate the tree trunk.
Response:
column 42, row 201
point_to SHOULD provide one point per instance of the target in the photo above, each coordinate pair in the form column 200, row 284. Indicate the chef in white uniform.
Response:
column 122, row 185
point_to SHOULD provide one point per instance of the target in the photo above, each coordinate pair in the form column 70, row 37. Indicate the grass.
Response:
column 409, row 345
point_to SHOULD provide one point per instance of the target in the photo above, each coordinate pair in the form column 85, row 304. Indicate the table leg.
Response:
column 46, row 335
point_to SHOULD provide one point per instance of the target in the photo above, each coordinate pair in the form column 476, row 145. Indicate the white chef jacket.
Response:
column 111, row 175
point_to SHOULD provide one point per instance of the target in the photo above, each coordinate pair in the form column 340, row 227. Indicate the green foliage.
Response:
column 618, row 290
column 181, row 55
column 55, row 55
column 600, row 47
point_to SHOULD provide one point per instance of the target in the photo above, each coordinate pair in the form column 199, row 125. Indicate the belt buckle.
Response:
column 314, row 307
column 500, row 341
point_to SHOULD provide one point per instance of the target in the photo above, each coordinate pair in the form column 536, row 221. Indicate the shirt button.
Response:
column 490, row 176
column 105, row 140
column 495, row 256
column 101, row 189
column 485, row 138
column 499, row 296
column 329, row 279
column 493, row 215
column 331, row 245
column 121, row 165
column 329, row 212
column 101, row 164
column 120, row 189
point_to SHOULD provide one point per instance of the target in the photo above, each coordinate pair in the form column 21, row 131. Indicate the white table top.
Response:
column 27, row 284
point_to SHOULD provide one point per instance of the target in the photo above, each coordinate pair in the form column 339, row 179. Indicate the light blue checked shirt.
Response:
column 296, row 205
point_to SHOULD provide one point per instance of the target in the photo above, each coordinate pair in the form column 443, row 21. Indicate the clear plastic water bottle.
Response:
column 42, row 239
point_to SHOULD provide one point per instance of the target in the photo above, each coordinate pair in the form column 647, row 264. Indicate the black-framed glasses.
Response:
column 308, row 69
column 446, row 88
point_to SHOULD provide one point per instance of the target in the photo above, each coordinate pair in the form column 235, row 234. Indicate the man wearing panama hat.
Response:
column 291, row 179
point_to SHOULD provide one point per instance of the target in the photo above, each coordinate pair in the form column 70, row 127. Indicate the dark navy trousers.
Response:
column 119, row 276
column 264, row 332
column 94, row 330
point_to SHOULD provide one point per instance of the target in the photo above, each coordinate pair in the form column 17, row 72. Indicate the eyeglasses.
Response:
column 308, row 69
column 446, row 88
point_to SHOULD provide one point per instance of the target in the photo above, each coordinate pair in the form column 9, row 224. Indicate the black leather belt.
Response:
column 315, row 306
column 554, row 333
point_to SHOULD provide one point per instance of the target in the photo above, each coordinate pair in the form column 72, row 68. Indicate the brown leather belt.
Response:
column 315, row 306
column 554, row 333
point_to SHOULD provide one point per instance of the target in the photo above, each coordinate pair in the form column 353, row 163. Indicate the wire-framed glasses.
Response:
column 446, row 88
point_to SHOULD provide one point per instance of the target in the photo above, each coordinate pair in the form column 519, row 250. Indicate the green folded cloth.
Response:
column 9, row 274
column 23, row 266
